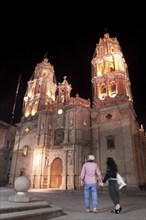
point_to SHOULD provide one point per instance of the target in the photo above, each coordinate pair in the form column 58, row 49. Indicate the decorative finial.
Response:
column 65, row 77
column 105, row 30
column 46, row 54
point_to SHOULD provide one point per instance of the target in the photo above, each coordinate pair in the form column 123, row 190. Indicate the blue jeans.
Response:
column 90, row 190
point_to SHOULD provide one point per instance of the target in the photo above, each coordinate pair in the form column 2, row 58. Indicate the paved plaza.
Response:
column 72, row 203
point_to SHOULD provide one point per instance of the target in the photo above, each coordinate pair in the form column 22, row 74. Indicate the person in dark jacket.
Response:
column 110, row 176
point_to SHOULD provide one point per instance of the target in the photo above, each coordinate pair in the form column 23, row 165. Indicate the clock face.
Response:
column 60, row 111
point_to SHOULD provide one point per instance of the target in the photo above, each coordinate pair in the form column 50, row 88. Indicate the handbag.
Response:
column 120, row 181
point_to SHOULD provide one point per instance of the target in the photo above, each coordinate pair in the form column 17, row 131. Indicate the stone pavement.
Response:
column 69, row 205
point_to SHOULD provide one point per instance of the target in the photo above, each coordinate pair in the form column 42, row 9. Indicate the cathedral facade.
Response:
column 57, row 131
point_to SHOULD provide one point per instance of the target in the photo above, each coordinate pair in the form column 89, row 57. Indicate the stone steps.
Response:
column 40, row 210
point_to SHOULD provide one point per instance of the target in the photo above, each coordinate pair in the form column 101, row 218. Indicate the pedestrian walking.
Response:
column 111, row 177
column 90, row 178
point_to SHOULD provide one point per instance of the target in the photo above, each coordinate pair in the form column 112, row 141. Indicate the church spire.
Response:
column 110, row 80
column 41, row 89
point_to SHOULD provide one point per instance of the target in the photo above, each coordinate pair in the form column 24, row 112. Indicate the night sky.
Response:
column 70, row 52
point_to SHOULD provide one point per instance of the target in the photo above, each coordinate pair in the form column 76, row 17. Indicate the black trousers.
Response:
column 114, row 192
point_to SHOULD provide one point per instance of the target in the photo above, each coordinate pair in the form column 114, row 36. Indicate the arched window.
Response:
column 103, row 92
column 112, row 90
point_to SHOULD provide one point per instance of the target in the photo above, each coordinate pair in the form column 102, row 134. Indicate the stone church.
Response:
column 57, row 131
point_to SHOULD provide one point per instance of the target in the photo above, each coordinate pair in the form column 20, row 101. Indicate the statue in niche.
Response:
column 84, row 122
column 47, row 161
column 71, row 122
column 69, row 158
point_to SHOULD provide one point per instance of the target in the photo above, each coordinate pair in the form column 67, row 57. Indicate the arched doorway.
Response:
column 56, row 173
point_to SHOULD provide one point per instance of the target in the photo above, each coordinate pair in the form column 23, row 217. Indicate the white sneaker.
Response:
column 87, row 210
column 95, row 210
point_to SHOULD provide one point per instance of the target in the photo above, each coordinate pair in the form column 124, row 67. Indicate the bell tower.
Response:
column 113, row 118
column 110, row 78
column 64, row 90
column 41, row 89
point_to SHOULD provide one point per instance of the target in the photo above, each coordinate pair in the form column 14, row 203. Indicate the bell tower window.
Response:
column 112, row 90
column 103, row 92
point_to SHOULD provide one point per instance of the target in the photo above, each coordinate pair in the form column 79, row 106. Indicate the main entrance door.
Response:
column 56, row 173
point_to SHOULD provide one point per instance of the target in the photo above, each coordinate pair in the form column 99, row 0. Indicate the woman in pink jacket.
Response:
column 90, row 175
